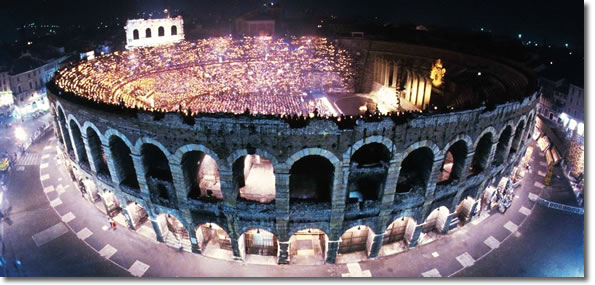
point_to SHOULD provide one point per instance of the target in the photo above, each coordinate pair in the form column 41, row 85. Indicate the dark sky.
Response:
column 555, row 21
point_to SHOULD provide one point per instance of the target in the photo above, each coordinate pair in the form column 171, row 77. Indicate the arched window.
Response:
column 123, row 163
column 97, row 153
column 482, row 154
column 503, row 144
column 79, row 145
column 148, row 33
column 415, row 171
column 452, row 168
column 367, row 174
column 158, row 173
column 311, row 179
column 135, row 35
column 174, row 30
column 201, row 175
column 161, row 32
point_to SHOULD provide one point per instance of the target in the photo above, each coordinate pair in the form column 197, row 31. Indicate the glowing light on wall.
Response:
column 437, row 73
column 572, row 124
column 580, row 129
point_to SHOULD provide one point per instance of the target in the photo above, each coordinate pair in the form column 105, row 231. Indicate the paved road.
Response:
column 494, row 245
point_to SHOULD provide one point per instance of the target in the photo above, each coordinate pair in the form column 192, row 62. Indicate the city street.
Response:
column 53, row 231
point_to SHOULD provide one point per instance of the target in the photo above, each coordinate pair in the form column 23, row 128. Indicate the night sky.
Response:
column 557, row 22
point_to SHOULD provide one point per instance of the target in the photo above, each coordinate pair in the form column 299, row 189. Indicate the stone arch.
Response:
column 266, row 244
column 372, row 139
column 435, row 218
column 414, row 175
column 398, row 232
column 158, row 174
column 146, row 140
column 503, row 146
column 148, row 33
column 368, row 170
column 121, row 150
column 65, row 129
column 89, row 124
column 135, row 34
column 312, row 184
column 174, row 231
column 518, row 132
column 251, row 166
column 313, row 151
column 174, row 30
column 308, row 246
column 454, row 155
column 198, row 182
column 77, row 140
column 211, row 236
column 160, row 31
column 113, row 132
column 323, row 227
column 356, row 239
column 489, row 129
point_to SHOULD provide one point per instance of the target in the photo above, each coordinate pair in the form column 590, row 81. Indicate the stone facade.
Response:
column 227, row 139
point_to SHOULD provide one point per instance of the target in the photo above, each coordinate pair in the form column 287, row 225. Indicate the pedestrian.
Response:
column 110, row 222
column 114, row 225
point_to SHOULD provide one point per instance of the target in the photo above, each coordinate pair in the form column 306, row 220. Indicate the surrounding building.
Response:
column 152, row 32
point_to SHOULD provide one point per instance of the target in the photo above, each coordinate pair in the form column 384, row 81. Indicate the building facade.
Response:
column 152, row 32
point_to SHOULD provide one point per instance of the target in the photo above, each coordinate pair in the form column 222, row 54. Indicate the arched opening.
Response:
column 97, row 153
column 123, row 163
column 516, row 140
column 201, row 176
column 112, row 206
column 463, row 210
column 135, row 34
column 161, row 31
column 148, row 33
column 79, row 145
column 258, row 246
column 57, row 128
column 482, row 154
column 308, row 247
column 213, row 241
column 452, row 168
column 158, row 174
column 367, row 172
column 254, row 177
column 502, row 145
column 434, row 225
column 415, row 171
column 65, row 132
column 355, row 243
column 173, row 232
column 397, row 235
column 174, row 30
column 140, row 220
column 311, row 179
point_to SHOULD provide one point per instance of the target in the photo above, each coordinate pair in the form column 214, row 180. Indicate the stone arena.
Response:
column 302, row 188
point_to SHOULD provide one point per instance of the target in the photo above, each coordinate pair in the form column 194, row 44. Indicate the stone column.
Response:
column 388, row 197
column 227, row 185
column 73, row 144
column 465, row 171
column 140, row 171
column 179, row 183
column 446, row 228
column 492, row 154
column 283, row 252
column 127, row 217
column 282, row 194
column 111, row 165
column 386, row 73
column 415, row 236
column 193, row 241
column 433, row 177
column 157, row 230
column 376, row 245
column 93, row 161
column 333, row 249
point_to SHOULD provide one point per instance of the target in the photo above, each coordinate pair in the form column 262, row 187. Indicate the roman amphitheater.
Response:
column 292, row 151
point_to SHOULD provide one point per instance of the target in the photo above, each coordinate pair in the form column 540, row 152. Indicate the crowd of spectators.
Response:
column 259, row 74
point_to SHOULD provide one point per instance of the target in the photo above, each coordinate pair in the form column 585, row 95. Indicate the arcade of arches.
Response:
column 310, row 179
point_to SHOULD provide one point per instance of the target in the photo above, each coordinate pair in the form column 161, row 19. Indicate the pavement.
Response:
column 54, row 231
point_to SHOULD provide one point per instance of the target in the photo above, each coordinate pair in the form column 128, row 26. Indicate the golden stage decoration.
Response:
column 437, row 73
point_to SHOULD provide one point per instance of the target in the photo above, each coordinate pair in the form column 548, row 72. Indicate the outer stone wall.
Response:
column 226, row 139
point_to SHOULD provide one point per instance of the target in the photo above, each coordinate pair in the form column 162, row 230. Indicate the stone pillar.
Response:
column 157, row 230
column 376, row 245
column 333, row 249
column 472, row 211
column 111, row 165
column 466, row 166
column 194, row 241
column 73, row 144
column 180, row 186
column 235, row 248
column 127, row 217
column 446, row 228
column 93, row 161
column 492, row 154
column 415, row 236
column 139, row 169
column 388, row 197
column 433, row 177
column 282, row 194
column 283, row 252
column 227, row 185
